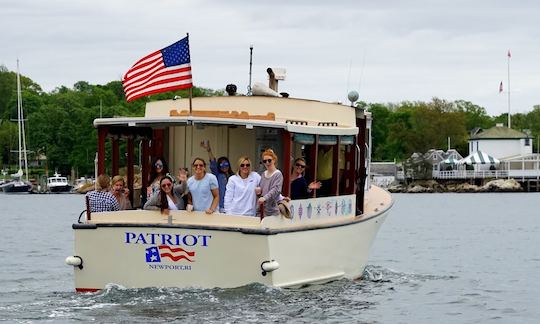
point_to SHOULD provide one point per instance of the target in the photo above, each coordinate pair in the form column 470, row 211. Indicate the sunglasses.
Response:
column 246, row 165
column 159, row 165
column 198, row 165
column 300, row 165
column 166, row 185
column 267, row 161
column 224, row 164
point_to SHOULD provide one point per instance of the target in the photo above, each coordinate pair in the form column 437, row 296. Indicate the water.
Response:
column 439, row 258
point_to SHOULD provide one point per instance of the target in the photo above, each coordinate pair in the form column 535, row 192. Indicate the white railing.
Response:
column 470, row 174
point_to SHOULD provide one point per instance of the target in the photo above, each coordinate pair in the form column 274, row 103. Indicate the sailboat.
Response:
column 18, row 184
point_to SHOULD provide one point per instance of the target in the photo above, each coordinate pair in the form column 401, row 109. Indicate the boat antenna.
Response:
column 250, row 66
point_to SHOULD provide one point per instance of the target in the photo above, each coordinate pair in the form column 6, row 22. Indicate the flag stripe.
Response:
column 175, row 258
column 171, row 86
column 158, row 75
column 176, row 249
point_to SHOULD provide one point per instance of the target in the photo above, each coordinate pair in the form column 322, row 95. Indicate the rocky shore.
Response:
column 430, row 186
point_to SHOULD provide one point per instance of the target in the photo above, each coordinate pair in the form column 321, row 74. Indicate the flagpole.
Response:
column 191, row 88
column 509, row 118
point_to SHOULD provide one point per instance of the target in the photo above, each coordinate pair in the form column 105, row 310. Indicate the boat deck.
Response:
column 377, row 201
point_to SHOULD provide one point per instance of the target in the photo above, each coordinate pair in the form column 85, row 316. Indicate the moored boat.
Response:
column 323, row 238
column 19, row 183
column 58, row 183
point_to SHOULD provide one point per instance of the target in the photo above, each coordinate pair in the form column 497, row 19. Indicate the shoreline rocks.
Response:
column 432, row 186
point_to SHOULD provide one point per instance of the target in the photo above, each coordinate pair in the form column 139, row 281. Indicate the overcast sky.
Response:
column 390, row 51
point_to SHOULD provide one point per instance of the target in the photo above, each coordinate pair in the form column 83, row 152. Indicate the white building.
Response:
column 501, row 142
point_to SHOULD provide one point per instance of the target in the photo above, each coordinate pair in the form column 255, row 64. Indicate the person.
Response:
column 159, row 170
column 299, row 186
column 324, row 169
column 203, row 189
column 120, row 192
column 101, row 200
column 221, row 168
column 271, row 184
column 183, row 175
column 240, row 196
column 169, row 196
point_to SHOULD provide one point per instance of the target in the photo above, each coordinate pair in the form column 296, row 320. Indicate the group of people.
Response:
column 221, row 190
column 107, row 197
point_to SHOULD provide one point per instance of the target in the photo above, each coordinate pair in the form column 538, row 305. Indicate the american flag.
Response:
column 155, row 253
column 165, row 70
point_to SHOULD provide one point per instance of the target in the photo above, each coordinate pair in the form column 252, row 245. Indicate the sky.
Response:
column 389, row 51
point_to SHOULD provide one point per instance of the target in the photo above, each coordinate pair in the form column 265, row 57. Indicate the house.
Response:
column 500, row 142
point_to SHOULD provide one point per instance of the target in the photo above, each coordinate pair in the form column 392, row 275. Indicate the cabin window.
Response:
column 527, row 142
column 331, row 162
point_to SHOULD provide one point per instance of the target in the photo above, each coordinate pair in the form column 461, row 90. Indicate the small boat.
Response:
column 325, row 238
column 19, row 184
column 57, row 183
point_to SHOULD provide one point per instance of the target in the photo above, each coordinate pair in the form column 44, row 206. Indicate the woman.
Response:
column 221, row 169
column 203, row 189
column 169, row 196
column 299, row 186
column 120, row 192
column 102, row 199
column 159, row 170
column 271, row 183
column 240, row 196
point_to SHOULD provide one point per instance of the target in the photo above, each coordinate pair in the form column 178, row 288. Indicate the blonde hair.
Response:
column 103, row 181
column 117, row 178
column 270, row 152
column 240, row 160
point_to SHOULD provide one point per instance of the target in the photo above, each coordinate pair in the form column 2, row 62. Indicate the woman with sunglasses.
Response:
column 203, row 189
column 299, row 186
column 240, row 196
column 271, row 184
column 169, row 196
column 159, row 170
column 221, row 168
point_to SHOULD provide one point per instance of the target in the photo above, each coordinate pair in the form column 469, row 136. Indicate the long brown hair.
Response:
column 163, row 194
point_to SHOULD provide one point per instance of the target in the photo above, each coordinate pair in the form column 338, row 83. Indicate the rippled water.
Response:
column 439, row 258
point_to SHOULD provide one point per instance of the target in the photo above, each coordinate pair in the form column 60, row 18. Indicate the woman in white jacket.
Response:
column 240, row 196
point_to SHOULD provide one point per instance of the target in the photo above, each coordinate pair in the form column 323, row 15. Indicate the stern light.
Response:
column 75, row 261
column 269, row 266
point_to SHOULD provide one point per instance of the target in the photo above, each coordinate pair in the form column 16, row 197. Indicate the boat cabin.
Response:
column 236, row 126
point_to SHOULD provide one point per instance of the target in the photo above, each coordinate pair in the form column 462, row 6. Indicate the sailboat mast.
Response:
column 20, row 123
column 19, row 118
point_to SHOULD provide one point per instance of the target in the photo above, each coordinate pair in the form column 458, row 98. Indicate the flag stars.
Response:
column 177, row 53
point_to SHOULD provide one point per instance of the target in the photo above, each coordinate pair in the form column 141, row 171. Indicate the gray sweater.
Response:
column 178, row 191
column 271, row 190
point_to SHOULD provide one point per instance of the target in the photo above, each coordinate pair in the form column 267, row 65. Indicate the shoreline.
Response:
column 432, row 186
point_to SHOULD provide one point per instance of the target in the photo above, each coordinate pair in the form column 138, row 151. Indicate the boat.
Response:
column 19, row 184
column 83, row 185
column 57, row 183
column 324, row 238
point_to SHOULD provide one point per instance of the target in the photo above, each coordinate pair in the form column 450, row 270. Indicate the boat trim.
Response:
column 311, row 281
column 249, row 231
column 248, row 123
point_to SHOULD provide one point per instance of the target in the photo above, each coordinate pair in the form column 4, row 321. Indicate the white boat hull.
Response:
column 225, row 256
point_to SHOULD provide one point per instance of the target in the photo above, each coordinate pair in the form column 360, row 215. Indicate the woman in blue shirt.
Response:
column 221, row 168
